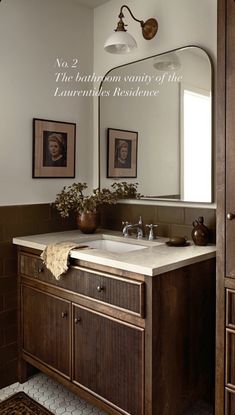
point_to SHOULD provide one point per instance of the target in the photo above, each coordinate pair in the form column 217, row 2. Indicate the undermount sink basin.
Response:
column 114, row 246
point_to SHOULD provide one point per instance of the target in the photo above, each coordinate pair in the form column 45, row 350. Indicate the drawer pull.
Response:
column 100, row 288
column 64, row 314
column 40, row 269
column 230, row 216
column 77, row 320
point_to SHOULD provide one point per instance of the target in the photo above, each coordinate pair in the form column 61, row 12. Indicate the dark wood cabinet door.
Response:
column 230, row 141
column 109, row 359
column 46, row 328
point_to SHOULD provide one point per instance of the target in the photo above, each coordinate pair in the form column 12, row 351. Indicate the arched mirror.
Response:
column 158, row 112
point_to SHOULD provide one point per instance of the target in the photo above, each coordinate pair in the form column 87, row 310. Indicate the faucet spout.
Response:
column 126, row 229
column 137, row 226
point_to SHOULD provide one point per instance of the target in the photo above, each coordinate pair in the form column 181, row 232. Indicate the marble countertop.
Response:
column 153, row 259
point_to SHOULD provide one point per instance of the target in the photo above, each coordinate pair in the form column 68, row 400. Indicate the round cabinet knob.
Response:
column 40, row 269
column 230, row 216
column 100, row 288
column 77, row 320
column 64, row 314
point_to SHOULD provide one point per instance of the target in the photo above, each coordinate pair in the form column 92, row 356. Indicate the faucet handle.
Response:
column 151, row 227
column 125, row 223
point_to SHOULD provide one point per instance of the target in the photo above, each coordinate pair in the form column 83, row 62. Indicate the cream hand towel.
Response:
column 55, row 256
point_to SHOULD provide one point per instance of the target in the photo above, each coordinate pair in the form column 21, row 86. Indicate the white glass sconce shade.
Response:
column 120, row 42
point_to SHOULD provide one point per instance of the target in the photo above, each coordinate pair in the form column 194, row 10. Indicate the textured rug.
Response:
column 22, row 404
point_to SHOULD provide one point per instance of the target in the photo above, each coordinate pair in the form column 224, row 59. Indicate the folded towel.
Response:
column 55, row 256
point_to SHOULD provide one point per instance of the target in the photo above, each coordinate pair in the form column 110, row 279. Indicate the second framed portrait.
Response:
column 122, row 153
column 53, row 149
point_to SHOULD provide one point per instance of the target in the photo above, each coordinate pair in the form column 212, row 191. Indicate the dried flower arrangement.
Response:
column 73, row 198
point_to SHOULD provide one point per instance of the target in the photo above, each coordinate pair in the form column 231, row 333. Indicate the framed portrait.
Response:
column 54, row 144
column 122, row 153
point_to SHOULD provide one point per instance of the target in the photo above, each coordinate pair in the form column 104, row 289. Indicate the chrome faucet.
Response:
column 138, row 226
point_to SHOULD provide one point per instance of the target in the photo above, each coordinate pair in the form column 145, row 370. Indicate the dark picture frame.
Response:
column 54, row 149
column 121, row 153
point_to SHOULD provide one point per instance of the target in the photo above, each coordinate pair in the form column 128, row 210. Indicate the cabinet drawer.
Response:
column 30, row 265
column 116, row 291
column 230, row 308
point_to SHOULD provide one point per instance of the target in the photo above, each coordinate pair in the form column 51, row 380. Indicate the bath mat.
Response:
column 22, row 404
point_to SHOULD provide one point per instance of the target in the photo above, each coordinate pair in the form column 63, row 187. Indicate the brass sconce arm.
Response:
column 149, row 28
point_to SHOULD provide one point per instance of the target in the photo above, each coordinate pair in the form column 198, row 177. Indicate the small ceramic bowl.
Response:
column 177, row 241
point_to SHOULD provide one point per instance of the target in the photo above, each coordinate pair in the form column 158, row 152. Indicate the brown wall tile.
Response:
column 163, row 230
column 1, row 302
column 10, row 300
column 10, row 266
column 41, row 212
column 209, row 216
column 8, row 318
column 7, row 249
column 1, row 267
column 167, row 214
column 181, row 230
column 147, row 213
column 8, row 284
column 8, row 214
column 166, row 217
column 21, row 228
column 8, row 353
column 11, row 334
column 8, row 373
column 1, row 232
column 2, row 338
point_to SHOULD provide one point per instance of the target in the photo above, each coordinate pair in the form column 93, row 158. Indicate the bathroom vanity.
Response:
column 131, row 332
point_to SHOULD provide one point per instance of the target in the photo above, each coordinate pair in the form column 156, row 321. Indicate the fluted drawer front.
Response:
column 30, row 265
column 123, row 293
column 116, row 291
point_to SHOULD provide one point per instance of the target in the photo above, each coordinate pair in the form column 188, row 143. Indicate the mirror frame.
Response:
column 162, row 201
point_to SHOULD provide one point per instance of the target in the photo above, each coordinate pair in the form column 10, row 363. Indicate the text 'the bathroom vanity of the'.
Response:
column 138, row 343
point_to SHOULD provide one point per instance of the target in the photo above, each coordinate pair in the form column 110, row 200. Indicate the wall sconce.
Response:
column 123, row 42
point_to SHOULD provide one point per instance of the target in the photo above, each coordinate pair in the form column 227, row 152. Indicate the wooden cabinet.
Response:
column 225, row 306
column 131, row 344
column 230, row 140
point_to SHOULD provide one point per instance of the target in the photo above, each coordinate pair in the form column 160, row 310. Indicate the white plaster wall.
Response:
column 32, row 35
column 181, row 23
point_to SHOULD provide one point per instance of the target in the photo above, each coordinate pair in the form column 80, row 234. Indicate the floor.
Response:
column 60, row 401
column 52, row 395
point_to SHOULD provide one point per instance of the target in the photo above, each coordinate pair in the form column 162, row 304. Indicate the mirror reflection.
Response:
column 159, row 111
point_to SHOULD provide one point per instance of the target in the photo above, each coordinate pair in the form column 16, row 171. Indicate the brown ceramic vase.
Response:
column 87, row 221
column 200, row 233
